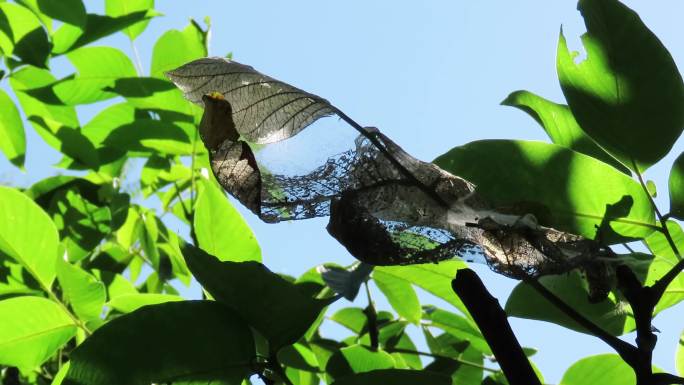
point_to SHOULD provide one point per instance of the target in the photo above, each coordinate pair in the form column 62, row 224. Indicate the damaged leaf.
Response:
column 385, row 207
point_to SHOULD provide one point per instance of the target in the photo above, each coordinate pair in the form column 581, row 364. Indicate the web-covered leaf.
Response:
column 385, row 206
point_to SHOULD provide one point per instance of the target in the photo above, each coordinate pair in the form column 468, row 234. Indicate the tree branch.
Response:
column 624, row 349
column 492, row 321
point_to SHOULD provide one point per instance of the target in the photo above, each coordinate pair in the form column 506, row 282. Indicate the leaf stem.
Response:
column 426, row 354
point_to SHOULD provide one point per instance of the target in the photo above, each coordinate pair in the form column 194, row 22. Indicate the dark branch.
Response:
column 492, row 321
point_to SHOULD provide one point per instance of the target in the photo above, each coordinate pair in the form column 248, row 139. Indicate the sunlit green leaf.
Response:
column 284, row 312
column 33, row 328
column 12, row 137
column 353, row 318
column 525, row 302
column 22, row 35
column 579, row 194
column 627, row 94
column 85, row 294
column 54, row 116
column 97, row 68
column 560, row 125
column 400, row 295
column 220, row 229
column 433, row 278
column 20, row 220
column 117, row 8
column 608, row 369
column 676, row 185
column 175, row 48
column 70, row 37
column 663, row 261
column 184, row 342
column 458, row 326
column 361, row 359
column 394, row 377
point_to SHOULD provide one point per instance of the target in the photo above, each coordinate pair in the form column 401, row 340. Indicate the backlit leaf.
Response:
column 33, row 328
column 12, row 137
column 628, row 82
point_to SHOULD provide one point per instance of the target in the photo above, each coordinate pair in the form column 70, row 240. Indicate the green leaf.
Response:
column 85, row 293
column 433, row 278
column 400, row 295
column 128, row 303
column 361, row 359
column 560, row 125
column 33, row 328
column 353, row 318
column 53, row 115
column 97, row 68
column 117, row 8
column 284, row 313
column 175, row 48
column 107, row 120
column 605, row 369
column 525, row 302
column 458, row 326
column 12, row 137
column 69, row 11
column 579, row 194
column 198, row 342
column 664, row 260
column 394, row 377
column 220, row 229
column 69, row 37
column 20, row 220
column 628, row 94
column 676, row 185
column 22, row 35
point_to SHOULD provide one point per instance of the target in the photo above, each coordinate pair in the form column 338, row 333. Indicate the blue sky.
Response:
column 429, row 74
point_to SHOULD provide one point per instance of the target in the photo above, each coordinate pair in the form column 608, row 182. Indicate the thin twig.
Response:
column 623, row 348
column 440, row 356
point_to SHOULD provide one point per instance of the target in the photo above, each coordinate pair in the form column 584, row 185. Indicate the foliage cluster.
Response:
column 86, row 294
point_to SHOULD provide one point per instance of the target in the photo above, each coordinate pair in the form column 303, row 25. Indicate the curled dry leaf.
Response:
column 385, row 206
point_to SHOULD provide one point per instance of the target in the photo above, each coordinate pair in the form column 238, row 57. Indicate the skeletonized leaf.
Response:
column 264, row 109
column 385, row 206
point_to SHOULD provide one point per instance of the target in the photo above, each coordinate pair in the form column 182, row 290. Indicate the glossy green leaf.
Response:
column 33, row 328
column 22, row 35
column 560, row 125
column 118, row 8
column 84, row 293
column 175, row 48
column 579, row 193
column 220, row 229
column 20, row 220
column 12, row 137
column 128, row 303
column 198, row 342
column 676, row 186
column 400, row 295
column 627, row 94
column 458, row 326
column 394, row 377
column 282, row 313
column 97, row 68
column 433, row 278
column 605, row 369
column 525, row 302
column 68, row 11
